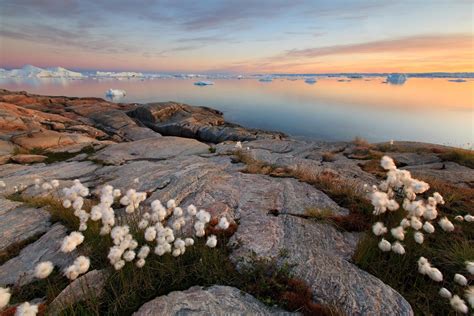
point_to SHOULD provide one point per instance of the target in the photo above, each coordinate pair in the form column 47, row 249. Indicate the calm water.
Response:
column 429, row 110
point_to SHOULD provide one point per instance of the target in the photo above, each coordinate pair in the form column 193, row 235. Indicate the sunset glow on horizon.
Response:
column 239, row 36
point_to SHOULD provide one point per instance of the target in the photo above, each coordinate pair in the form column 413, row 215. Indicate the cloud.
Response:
column 406, row 44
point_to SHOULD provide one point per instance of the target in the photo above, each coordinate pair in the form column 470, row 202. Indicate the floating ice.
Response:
column 114, row 93
column 266, row 79
column 203, row 83
column 310, row 80
column 396, row 78
column 457, row 80
column 29, row 71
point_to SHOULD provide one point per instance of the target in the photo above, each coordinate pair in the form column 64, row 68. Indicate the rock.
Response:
column 216, row 300
column 157, row 148
column 89, row 130
column 20, row 270
column 445, row 171
column 322, row 256
column 119, row 123
column 25, row 158
column 19, row 224
column 6, row 148
column 89, row 285
column 47, row 139
column 413, row 159
column 202, row 123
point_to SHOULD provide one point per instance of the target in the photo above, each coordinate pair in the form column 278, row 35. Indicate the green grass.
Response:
column 463, row 157
column 446, row 251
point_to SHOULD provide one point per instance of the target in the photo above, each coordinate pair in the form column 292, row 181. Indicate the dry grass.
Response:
column 328, row 157
column 463, row 157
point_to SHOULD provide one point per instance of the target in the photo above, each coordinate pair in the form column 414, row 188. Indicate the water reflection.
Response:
column 335, row 108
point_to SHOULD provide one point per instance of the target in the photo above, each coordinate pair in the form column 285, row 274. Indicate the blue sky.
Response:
column 239, row 36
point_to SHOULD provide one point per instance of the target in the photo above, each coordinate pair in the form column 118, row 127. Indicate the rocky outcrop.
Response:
column 216, row 300
column 156, row 148
column 87, row 286
column 18, row 223
column 203, row 123
column 25, row 158
column 20, row 269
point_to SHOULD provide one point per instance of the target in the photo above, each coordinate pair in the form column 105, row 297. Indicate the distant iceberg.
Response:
column 266, row 79
column 310, row 80
column 115, row 93
column 30, row 71
column 203, row 83
column 457, row 80
column 123, row 74
column 396, row 78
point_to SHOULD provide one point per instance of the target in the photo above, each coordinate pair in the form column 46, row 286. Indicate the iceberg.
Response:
column 457, row 80
column 203, row 83
column 30, row 71
column 266, row 79
column 310, row 81
column 115, row 93
column 123, row 74
column 396, row 78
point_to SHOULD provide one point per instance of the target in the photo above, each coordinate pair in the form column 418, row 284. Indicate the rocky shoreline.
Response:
column 187, row 153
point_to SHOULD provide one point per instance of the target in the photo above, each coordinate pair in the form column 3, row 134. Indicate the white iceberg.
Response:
column 123, row 74
column 310, row 80
column 29, row 71
column 203, row 83
column 396, row 78
column 113, row 93
column 457, row 80
column 266, row 79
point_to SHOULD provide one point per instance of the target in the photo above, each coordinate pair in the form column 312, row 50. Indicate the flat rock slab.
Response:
column 19, row 224
column 48, row 139
column 20, row 270
column 322, row 256
column 160, row 148
column 445, row 171
column 216, row 300
column 89, row 285
column 25, row 159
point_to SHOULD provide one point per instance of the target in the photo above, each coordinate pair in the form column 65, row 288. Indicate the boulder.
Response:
column 47, row 139
column 202, row 123
column 25, row 158
column 20, row 269
column 18, row 224
column 157, row 148
column 216, row 300
column 89, row 285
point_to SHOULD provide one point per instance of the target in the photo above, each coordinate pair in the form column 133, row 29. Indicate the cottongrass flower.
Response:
column 43, row 269
column 238, row 145
column 387, row 163
column 189, row 241
column 444, row 292
column 26, row 309
column 150, row 233
column 398, row 248
column 428, row 227
column 419, row 238
column 405, row 223
column 469, row 295
column 223, row 223
column 211, row 241
column 203, row 216
column 140, row 263
column 4, row 297
column 192, row 210
column 415, row 223
column 119, row 265
column 398, row 233
column 469, row 218
column 132, row 200
column 171, row 204
column 459, row 218
column 55, row 183
column 71, row 241
column 458, row 304
column 379, row 229
column 385, row 245
column 460, row 279
column 143, row 252
column 470, row 266
column 129, row 255
column 2, row 184
column 425, row 268
column 446, row 224
column 80, row 266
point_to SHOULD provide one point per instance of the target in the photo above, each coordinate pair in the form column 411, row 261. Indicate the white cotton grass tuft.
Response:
column 470, row 266
column 26, row 309
column 435, row 274
column 419, row 238
column 446, row 224
column 43, row 269
column 459, row 218
column 2, row 184
column 211, row 241
column 469, row 295
column 140, row 263
column 458, row 304
column 379, row 229
column 398, row 233
column 192, row 210
column 398, row 248
column 444, row 292
column 71, row 241
column 223, row 223
column 387, row 163
column 469, row 218
column 143, row 252
column 5, row 296
column 460, row 279
column 385, row 245
column 428, row 227
column 415, row 223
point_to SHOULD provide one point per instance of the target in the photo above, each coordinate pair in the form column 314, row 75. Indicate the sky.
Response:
column 223, row 36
